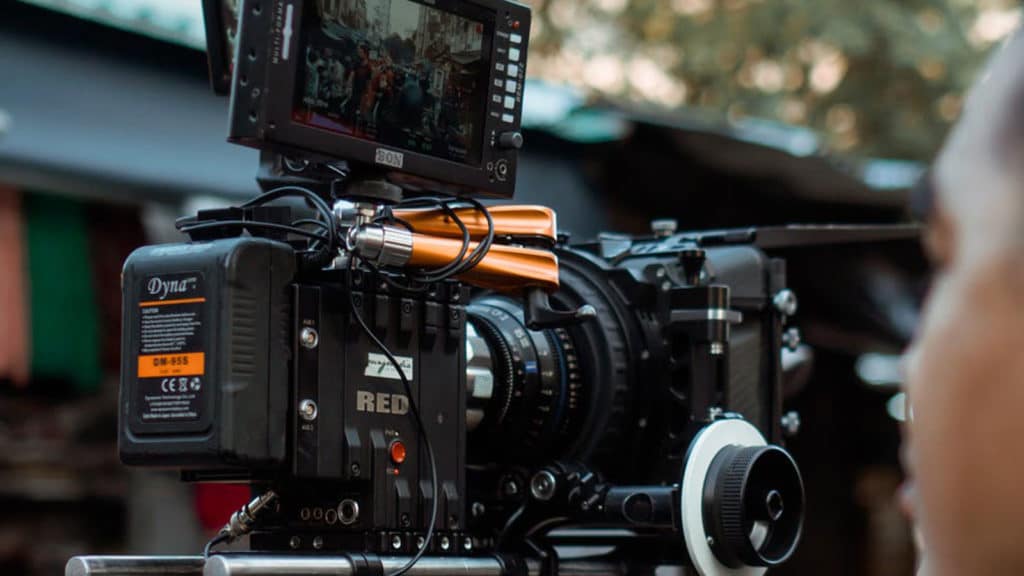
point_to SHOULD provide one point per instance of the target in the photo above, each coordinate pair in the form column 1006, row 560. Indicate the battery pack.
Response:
column 205, row 352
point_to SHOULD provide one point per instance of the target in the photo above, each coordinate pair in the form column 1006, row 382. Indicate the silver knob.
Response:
column 308, row 410
column 790, row 423
column 785, row 302
column 309, row 338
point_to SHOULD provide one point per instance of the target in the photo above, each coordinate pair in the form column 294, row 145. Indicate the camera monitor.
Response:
column 428, row 93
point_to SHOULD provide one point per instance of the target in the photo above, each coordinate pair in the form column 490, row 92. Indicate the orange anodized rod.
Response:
column 508, row 269
column 517, row 220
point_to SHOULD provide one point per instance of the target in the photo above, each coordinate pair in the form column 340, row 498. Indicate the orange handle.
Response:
column 509, row 220
column 504, row 268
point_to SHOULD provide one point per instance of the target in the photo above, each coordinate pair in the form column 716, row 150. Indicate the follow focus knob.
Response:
column 753, row 506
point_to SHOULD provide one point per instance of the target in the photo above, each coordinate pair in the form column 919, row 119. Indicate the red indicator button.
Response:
column 515, row 25
column 397, row 452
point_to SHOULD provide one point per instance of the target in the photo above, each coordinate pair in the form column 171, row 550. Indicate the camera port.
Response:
column 348, row 512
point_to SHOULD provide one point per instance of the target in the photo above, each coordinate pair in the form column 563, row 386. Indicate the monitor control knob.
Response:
column 510, row 140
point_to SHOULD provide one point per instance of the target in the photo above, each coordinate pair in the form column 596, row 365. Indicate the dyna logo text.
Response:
column 382, row 403
column 163, row 288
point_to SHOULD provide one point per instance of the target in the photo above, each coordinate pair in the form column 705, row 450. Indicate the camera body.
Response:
column 413, row 376
column 283, row 389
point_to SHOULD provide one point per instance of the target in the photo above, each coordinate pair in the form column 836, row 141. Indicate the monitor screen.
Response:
column 397, row 72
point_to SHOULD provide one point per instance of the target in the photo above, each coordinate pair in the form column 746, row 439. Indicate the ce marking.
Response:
column 180, row 384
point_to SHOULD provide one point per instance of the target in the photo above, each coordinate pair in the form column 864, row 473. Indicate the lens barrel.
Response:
column 525, row 386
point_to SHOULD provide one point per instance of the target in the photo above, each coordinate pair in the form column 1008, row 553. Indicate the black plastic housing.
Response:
column 225, row 342
column 228, row 301
column 363, row 407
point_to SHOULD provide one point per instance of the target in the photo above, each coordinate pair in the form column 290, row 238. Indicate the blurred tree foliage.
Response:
column 878, row 77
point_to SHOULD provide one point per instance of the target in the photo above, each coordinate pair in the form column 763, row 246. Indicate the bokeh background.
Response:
column 711, row 112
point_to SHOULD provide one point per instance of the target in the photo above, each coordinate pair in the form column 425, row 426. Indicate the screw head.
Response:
column 785, row 302
column 308, row 410
column 790, row 423
column 396, row 542
column 467, row 544
column 543, row 485
column 446, row 543
column 791, row 339
column 309, row 338
column 478, row 509
column 354, row 468
column 511, row 487
column 318, row 543
column 295, row 542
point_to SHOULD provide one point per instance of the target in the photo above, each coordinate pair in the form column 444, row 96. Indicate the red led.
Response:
column 398, row 453
column 515, row 24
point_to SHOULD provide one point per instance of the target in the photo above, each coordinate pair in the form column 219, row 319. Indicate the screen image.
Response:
column 396, row 72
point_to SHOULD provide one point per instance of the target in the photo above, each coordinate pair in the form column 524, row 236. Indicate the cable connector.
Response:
column 244, row 519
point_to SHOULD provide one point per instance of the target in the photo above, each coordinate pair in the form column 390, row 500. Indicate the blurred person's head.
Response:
column 978, row 177
column 965, row 372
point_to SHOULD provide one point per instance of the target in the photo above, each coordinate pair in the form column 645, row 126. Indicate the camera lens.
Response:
column 554, row 393
column 525, row 387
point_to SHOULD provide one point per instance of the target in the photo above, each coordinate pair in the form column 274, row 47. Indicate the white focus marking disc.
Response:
column 708, row 443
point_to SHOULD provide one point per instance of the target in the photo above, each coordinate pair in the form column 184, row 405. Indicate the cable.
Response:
column 324, row 242
column 219, row 538
column 298, row 191
column 252, row 224
column 414, row 410
column 458, row 265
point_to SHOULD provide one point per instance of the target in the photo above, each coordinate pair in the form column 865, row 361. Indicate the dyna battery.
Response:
column 204, row 357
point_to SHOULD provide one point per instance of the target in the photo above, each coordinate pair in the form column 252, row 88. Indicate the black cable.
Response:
column 414, row 410
column 314, row 247
column 298, row 191
column 310, row 221
column 452, row 268
column 252, row 224
column 324, row 242
column 458, row 265
column 219, row 538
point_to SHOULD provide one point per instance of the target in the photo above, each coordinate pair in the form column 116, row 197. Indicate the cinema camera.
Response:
column 415, row 383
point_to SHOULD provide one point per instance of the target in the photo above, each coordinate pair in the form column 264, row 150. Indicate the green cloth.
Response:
column 64, row 317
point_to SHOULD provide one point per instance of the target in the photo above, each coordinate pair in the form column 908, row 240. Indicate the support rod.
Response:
column 248, row 564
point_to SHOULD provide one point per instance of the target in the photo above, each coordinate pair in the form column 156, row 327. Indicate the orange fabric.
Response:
column 14, row 327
